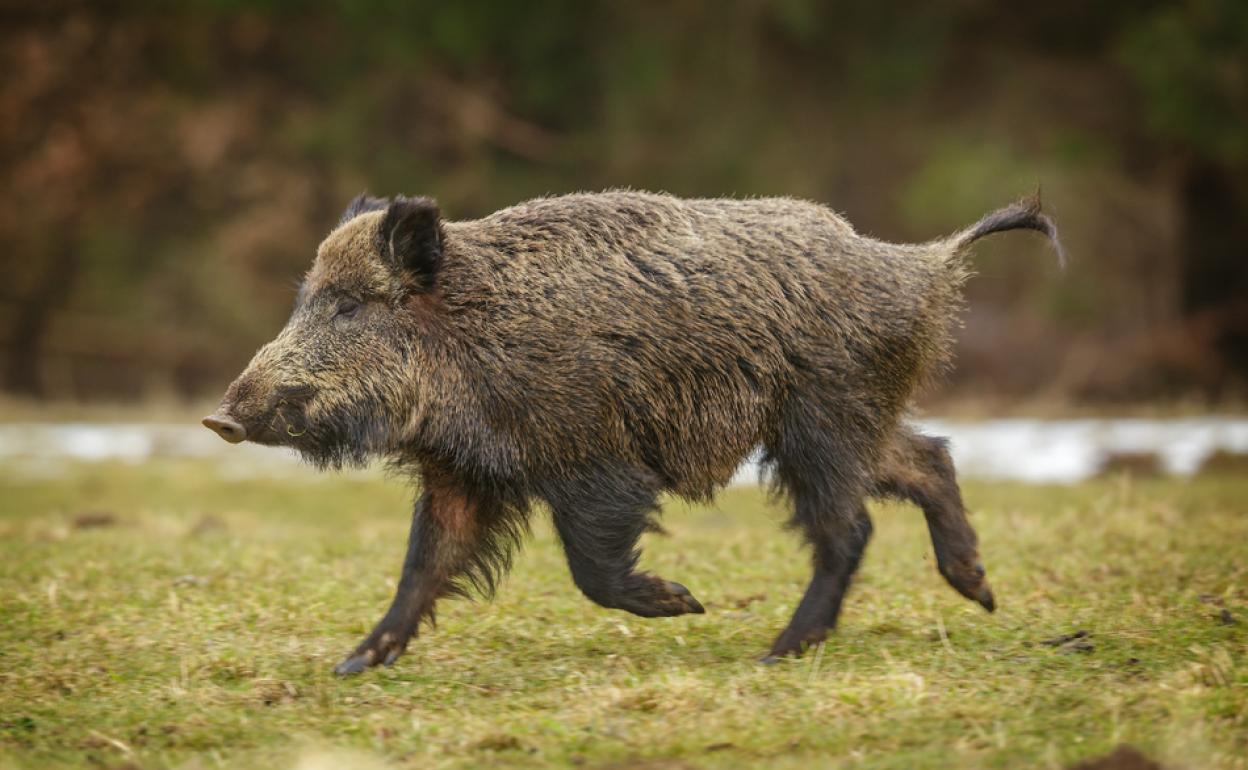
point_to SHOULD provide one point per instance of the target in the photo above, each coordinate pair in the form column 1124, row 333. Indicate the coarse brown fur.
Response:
column 592, row 351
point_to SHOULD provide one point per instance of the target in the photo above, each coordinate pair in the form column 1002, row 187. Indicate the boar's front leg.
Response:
column 599, row 520
column 445, row 539
column 838, row 544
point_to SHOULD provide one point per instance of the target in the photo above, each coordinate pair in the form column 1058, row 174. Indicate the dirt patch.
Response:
column 1139, row 464
column 271, row 692
column 1079, row 641
column 499, row 742
column 208, row 525
column 745, row 601
column 1224, row 463
column 94, row 520
column 1122, row 758
column 649, row 764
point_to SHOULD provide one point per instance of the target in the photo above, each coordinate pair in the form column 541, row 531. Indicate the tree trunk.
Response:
column 34, row 316
column 1215, row 259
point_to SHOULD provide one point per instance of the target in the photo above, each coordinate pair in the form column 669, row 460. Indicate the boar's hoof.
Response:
column 777, row 655
column 794, row 644
column 650, row 596
column 376, row 650
column 968, row 579
column 352, row 665
column 688, row 604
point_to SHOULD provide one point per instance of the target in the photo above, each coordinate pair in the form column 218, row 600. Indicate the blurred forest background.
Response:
column 170, row 166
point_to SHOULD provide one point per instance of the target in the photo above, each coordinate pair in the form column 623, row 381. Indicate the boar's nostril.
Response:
column 225, row 427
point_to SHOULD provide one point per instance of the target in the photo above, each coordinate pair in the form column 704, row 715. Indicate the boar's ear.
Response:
column 362, row 204
column 410, row 239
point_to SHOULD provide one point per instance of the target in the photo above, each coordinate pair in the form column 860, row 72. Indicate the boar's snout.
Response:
column 251, row 411
column 226, row 427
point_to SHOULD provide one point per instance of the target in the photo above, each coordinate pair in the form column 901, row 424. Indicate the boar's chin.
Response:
column 332, row 457
column 340, row 440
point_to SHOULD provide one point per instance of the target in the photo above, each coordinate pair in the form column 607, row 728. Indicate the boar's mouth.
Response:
column 282, row 422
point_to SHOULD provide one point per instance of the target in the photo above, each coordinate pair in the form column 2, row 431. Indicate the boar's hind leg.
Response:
column 453, row 537
column 918, row 468
column 599, row 521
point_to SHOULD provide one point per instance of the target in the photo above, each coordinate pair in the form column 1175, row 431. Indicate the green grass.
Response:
column 199, row 630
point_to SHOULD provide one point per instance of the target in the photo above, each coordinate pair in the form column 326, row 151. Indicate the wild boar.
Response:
column 593, row 351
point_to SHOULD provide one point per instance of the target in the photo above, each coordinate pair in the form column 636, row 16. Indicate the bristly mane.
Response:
column 362, row 204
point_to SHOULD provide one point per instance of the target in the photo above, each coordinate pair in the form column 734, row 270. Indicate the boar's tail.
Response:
column 1023, row 215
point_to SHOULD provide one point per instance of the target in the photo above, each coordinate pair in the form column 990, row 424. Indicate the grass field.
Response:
column 160, row 616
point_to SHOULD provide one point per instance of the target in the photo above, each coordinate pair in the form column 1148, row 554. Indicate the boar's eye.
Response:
column 347, row 309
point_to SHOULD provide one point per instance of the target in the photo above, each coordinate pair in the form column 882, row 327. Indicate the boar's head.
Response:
column 341, row 382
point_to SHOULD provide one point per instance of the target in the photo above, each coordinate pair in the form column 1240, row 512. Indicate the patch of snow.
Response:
column 1028, row 450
